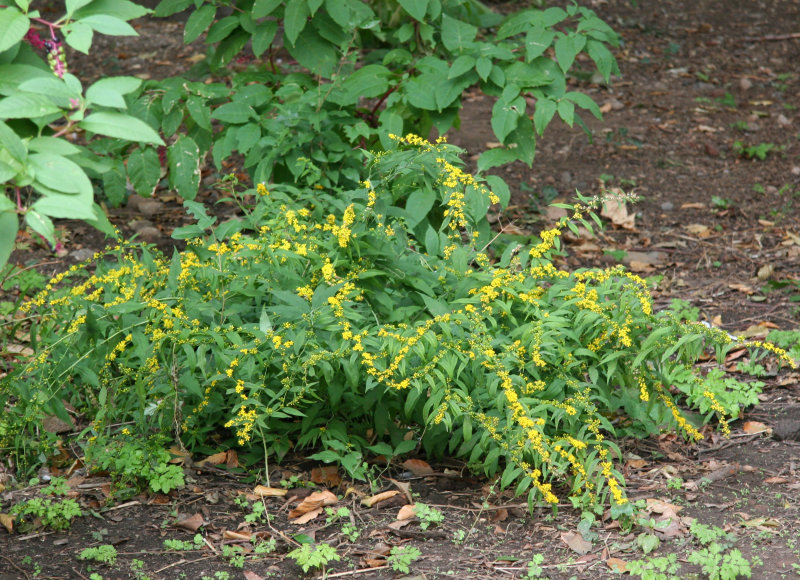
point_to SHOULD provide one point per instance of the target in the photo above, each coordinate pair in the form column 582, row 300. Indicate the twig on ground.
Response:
column 771, row 37
column 23, row 572
column 717, row 475
column 183, row 561
column 354, row 572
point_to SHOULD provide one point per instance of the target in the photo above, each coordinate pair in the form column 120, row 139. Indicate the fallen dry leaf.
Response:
column 326, row 475
column 617, row 565
column 240, row 536
column 248, row 575
column 406, row 513
column 316, row 500
column 377, row 498
column 264, row 491
column 746, row 288
column 417, row 466
column 699, row 230
column 8, row 522
column 617, row 212
column 751, row 427
column 191, row 523
column 230, row 458
column 306, row 517
column 576, row 542
column 399, row 524
column 404, row 487
column 776, row 480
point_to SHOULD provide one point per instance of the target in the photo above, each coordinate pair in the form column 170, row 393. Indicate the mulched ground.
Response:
column 721, row 230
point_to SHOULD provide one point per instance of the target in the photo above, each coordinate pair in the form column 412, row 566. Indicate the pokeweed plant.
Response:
column 321, row 321
column 43, row 173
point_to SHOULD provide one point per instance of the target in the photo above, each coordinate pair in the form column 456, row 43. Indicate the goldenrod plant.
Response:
column 351, row 323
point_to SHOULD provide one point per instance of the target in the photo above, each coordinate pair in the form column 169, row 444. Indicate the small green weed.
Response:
column 427, row 515
column 184, row 545
column 400, row 558
column 720, row 202
column 759, row 151
column 740, row 126
column 675, row 483
column 727, row 101
column 234, row 555
column 310, row 556
column 684, row 311
column 535, row 570
column 105, row 554
column 55, row 514
column 661, row 568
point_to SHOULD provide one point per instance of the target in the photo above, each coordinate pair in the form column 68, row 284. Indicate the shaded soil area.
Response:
column 703, row 125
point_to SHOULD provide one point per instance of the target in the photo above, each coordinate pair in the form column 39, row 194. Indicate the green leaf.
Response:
column 369, row 81
column 26, row 105
column 416, row 8
column 13, row 27
column 144, row 170
column 221, row 29
column 294, row 19
column 584, row 101
column 263, row 36
column 234, row 113
column 7, row 173
column 59, row 174
column 494, row 157
column 122, row 9
column 41, row 224
column 543, row 114
column 14, row 75
column 114, row 184
column 567, row 48
column 109, row 25
column 53, row 88
column 506, row 112
column 500, row 188
column 184, row 167
column 483, row 67
column 109, row 92
column 602, row 57
column 462, row 64
column 12, row 143
column 72, row 5
column 456, row 34
column 65, row 206
column 537, row 40
column 315, row 53
column 199, row 111
column 262, row 8
column 120, row 126
column 418, row 204
column 566, row 110
column 198, row 22
column 9, row 226
column 79, row 36
column 170, row 7
column 432, row 241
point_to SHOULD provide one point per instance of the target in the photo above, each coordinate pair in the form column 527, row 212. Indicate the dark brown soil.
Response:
column 720, row 230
